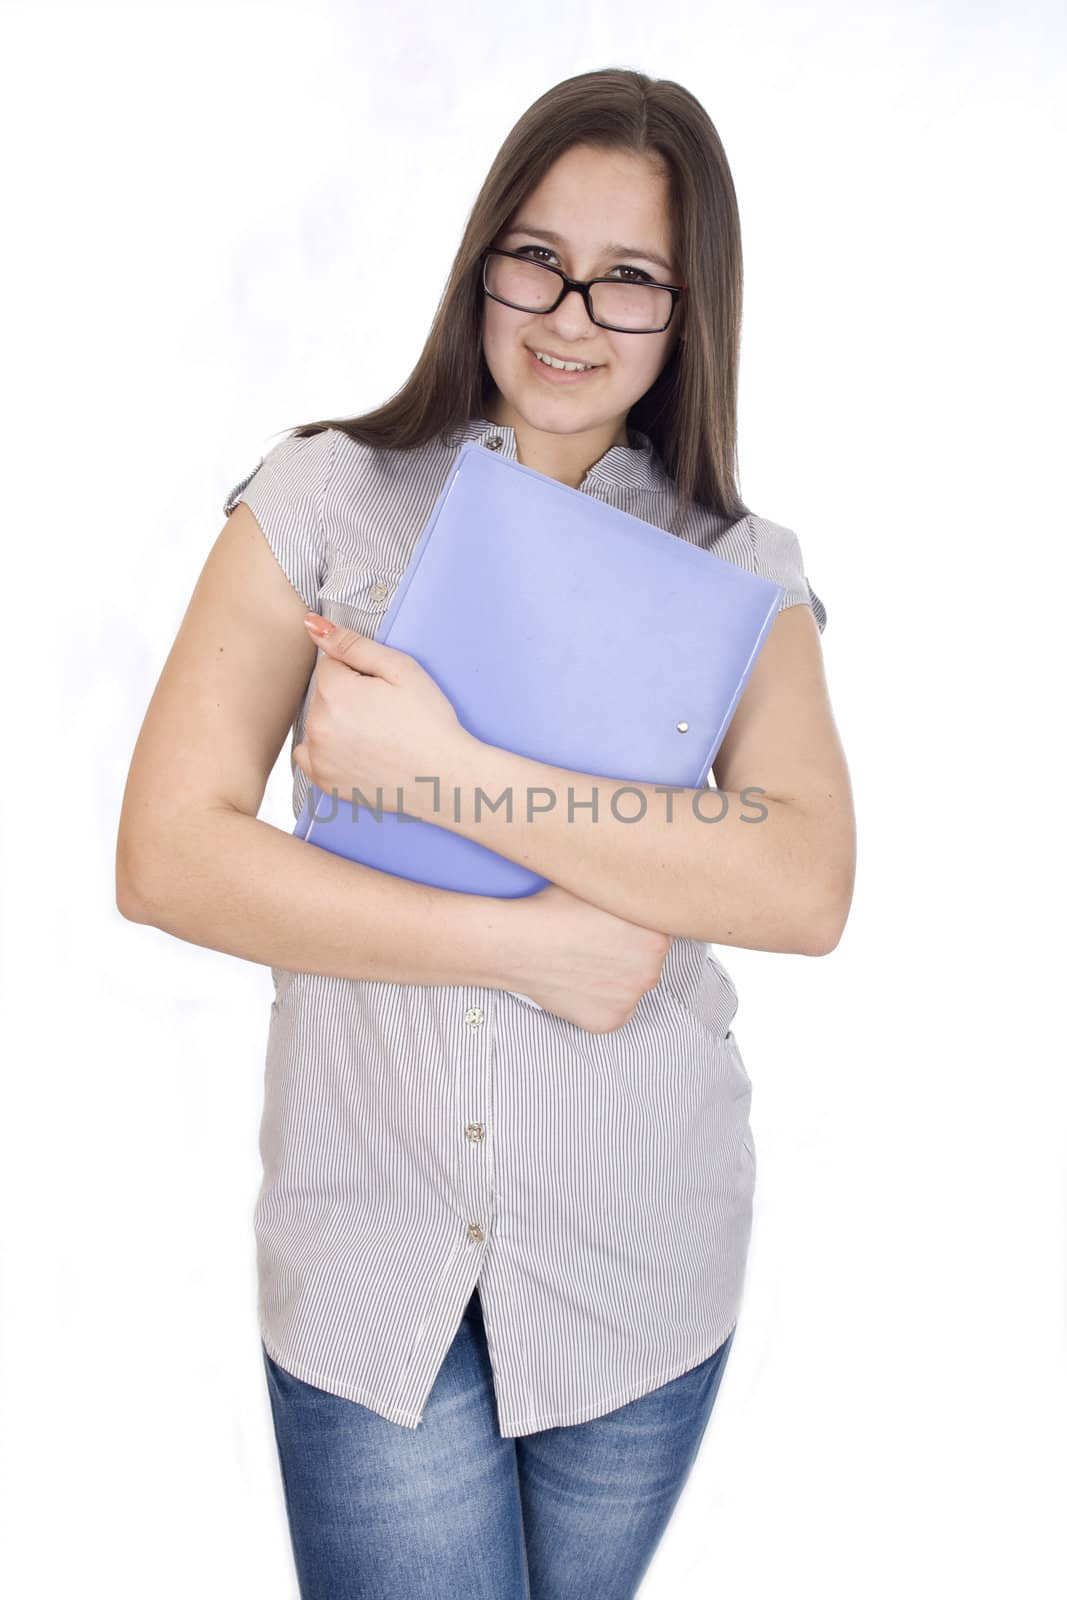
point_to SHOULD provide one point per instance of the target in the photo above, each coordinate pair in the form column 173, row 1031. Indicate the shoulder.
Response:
column 314, row 483
column 770, row 549
column 775, row 548
column 296, row 469
column 780, row 558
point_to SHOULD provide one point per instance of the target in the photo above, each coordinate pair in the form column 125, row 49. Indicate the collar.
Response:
column 623, row 466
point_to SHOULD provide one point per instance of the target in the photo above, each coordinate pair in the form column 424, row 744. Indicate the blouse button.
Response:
column 495, row 442
column 474, row 1016
column 474, row 1232
column 474, row 1131
column 379, row 591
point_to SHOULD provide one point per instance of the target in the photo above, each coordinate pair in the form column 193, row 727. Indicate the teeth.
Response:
column 564, row 366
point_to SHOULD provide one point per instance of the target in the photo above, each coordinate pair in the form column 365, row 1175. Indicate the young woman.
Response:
column 501, row 1250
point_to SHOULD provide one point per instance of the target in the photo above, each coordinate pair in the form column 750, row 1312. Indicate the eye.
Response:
column 640, row 276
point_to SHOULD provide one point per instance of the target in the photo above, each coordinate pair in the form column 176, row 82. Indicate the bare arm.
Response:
column 194, row 860
column 767, row 863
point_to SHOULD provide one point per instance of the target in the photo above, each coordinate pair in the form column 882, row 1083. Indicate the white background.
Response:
column 198, row 203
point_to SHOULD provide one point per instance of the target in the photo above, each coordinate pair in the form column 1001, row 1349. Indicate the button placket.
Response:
column 473, row 1086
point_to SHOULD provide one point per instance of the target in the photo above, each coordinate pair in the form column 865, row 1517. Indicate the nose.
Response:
column 571, row 313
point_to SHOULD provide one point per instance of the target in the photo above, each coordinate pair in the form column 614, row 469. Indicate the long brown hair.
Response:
column 690, row 412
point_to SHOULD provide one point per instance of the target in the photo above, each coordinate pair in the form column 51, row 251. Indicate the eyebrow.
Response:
column 609, row 249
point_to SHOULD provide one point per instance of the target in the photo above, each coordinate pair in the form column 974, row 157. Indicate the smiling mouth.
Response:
column 573, row 369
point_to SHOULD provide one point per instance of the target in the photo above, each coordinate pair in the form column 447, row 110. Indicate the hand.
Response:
column 581, row 962
column 376, row 721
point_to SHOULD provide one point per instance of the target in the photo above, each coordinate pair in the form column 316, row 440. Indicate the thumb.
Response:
column 355, row 650
column 326, row 633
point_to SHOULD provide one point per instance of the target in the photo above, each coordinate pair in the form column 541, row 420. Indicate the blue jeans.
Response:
column 450, row 1509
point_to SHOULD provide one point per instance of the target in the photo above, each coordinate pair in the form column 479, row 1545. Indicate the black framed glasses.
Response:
column 527, row 285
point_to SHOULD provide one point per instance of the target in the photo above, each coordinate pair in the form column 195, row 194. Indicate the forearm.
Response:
column 233, row 883
column 703, row 864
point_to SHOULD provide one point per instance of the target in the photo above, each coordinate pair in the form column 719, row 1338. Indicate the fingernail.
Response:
column 318, row 626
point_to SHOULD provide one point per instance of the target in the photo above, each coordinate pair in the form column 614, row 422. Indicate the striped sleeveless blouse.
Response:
column 419, row 1142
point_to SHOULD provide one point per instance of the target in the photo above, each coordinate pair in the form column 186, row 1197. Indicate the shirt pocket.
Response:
column 357, row 593
column 710, row 1009
column 714, row 1003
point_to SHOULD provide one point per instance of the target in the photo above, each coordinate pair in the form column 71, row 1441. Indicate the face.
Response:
column 589, row 199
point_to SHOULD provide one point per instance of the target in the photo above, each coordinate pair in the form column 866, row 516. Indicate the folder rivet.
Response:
column 683, row 727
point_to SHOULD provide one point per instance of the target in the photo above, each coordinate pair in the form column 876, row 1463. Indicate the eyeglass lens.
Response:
column 531, row 286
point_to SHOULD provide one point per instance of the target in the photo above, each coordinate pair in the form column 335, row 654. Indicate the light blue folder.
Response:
column 566, row 630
